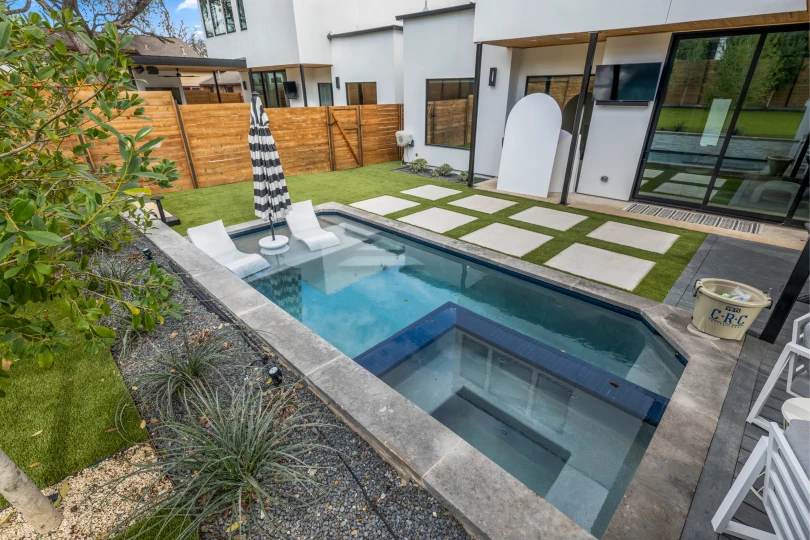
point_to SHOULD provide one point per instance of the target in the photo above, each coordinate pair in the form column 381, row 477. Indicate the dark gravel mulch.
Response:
column 365, row 498
column 452, row 177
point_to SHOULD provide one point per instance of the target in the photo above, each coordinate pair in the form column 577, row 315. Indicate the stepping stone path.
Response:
column 507, row 239
column 701, row 179
column 431, row 193
column 684, row 190
column 546, row 217
column 437, row 219
column 651, row 173
column 636, row 237
column 480, row 203
column 622, row 271
column 384, row 205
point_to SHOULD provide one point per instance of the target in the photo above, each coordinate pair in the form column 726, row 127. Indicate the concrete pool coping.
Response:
column 487, row 500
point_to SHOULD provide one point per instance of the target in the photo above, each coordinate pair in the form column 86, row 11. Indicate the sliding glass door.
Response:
column 729, row 134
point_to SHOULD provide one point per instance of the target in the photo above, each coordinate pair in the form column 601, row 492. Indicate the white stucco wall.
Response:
column 616, row 134
column 506, row 19
column 270, row 40
column 435, row 48
column 369, row 58
column 314, row 19
column 492, row 106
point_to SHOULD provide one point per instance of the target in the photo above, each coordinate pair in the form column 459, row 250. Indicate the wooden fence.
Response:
column 209, row 142
column 206, row 97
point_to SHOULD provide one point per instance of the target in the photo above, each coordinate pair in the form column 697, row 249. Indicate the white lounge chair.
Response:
column 213, row 239
column 304, row 225
column 795, row 357
column 785, row 459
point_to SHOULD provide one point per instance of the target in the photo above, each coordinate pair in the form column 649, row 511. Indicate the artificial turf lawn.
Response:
column 72, row 406
column 233, row 203
column 779, row 124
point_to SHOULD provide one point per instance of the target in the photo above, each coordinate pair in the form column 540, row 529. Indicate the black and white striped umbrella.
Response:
column 270, row 198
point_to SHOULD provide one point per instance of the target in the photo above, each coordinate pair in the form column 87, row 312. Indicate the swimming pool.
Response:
column 562, row 393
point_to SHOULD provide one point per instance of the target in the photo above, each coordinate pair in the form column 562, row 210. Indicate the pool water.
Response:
column 560, row 392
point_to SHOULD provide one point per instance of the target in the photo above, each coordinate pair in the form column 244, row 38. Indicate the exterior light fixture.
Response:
column 147, row 253
column 492, row 74
column 337, row 83
column 275, row 375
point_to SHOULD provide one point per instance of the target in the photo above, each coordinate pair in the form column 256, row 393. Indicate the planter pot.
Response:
column 777, row 165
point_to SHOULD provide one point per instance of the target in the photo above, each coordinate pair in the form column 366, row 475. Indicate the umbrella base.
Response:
column 274, row 247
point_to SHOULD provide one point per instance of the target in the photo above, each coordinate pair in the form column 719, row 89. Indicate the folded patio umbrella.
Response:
column 270, row 197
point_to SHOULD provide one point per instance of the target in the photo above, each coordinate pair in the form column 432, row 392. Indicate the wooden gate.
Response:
column 345, row 134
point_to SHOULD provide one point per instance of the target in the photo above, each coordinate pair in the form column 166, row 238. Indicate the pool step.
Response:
column 618, row 392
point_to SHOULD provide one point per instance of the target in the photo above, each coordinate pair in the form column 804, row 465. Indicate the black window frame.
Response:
column 240, row 11
column 274, row 72
column 331, row 94
column 208, row 23
column 427, row 91
column 359, row 91
column 658, row 105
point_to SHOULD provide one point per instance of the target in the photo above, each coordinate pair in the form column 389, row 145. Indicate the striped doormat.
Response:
column 694, row 217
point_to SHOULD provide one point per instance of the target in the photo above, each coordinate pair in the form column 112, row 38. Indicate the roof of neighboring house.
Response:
column 148, row 46
column 388, row 28
column 432, row 12
column 227, row 77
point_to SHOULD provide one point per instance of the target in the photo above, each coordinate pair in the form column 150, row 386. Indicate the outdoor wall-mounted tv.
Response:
column 291, row 89
column 626, row 84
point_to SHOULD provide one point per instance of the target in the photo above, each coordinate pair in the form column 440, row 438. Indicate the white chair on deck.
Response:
column 304, row 225
column 213, row 239
column 785, row 459
column 795, row 357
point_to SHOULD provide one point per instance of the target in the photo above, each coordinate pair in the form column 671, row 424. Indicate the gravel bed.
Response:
column 90, row 510
column 452, row 177
column 366, row 498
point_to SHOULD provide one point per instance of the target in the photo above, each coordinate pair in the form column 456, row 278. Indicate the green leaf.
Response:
column 45, row 359
column 6, row 245
column 45, row 73
column 23, row 211
column 150, row 174
column 102, row 331
column 34, row 32
column 43, row 237
column 13, row 271
column 43, row 268
column 5, row 32
column 60, row 47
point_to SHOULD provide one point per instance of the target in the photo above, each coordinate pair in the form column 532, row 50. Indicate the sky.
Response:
column 187, row 11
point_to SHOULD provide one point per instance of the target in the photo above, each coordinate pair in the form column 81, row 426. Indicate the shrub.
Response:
column 180, row 369
column 441, row 170
column 244, row 454
column 738, row 131
column 680, row 126
column 462, row 176
column 418, row 165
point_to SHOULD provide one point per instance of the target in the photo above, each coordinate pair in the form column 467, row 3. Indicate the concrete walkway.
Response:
column 767, row 268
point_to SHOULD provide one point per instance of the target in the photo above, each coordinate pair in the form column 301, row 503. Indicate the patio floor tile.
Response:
column 430, row 192
column 546, row 217
column 651, row 173
column 636, row 237
column 615, row 269
column 507, row 239
column 684, row 190
column 480, row 203
column 437, row 219
column 384, row 205
column 702, row 179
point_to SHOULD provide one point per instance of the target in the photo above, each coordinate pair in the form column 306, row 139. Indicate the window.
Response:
column 325, row 94
column 240, row 9
column 270, row 86
column 361, row 93
column 229, row 89
column 217, row 17
column 563, row 88
column 449, row 112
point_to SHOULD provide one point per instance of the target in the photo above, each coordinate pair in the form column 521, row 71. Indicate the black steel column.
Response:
column 250, row 79
column 216, row 84
column 303, row 84
column 583, row 92
column 790, row 293
column 476, row 90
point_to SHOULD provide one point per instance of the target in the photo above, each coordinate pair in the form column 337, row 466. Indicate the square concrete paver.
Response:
column 384, row 205
column 480, row 203
column 684, row 190
column 651, row 173
column 431, row 193
column 702, row 179
column 437, row 219
column 507, row 239
column 637, row 237
column 546, row 217
column 615, row 269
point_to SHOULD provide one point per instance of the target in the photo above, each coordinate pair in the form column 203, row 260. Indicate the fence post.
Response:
column 331, row 143
column 179, row 117
column 360, row 134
